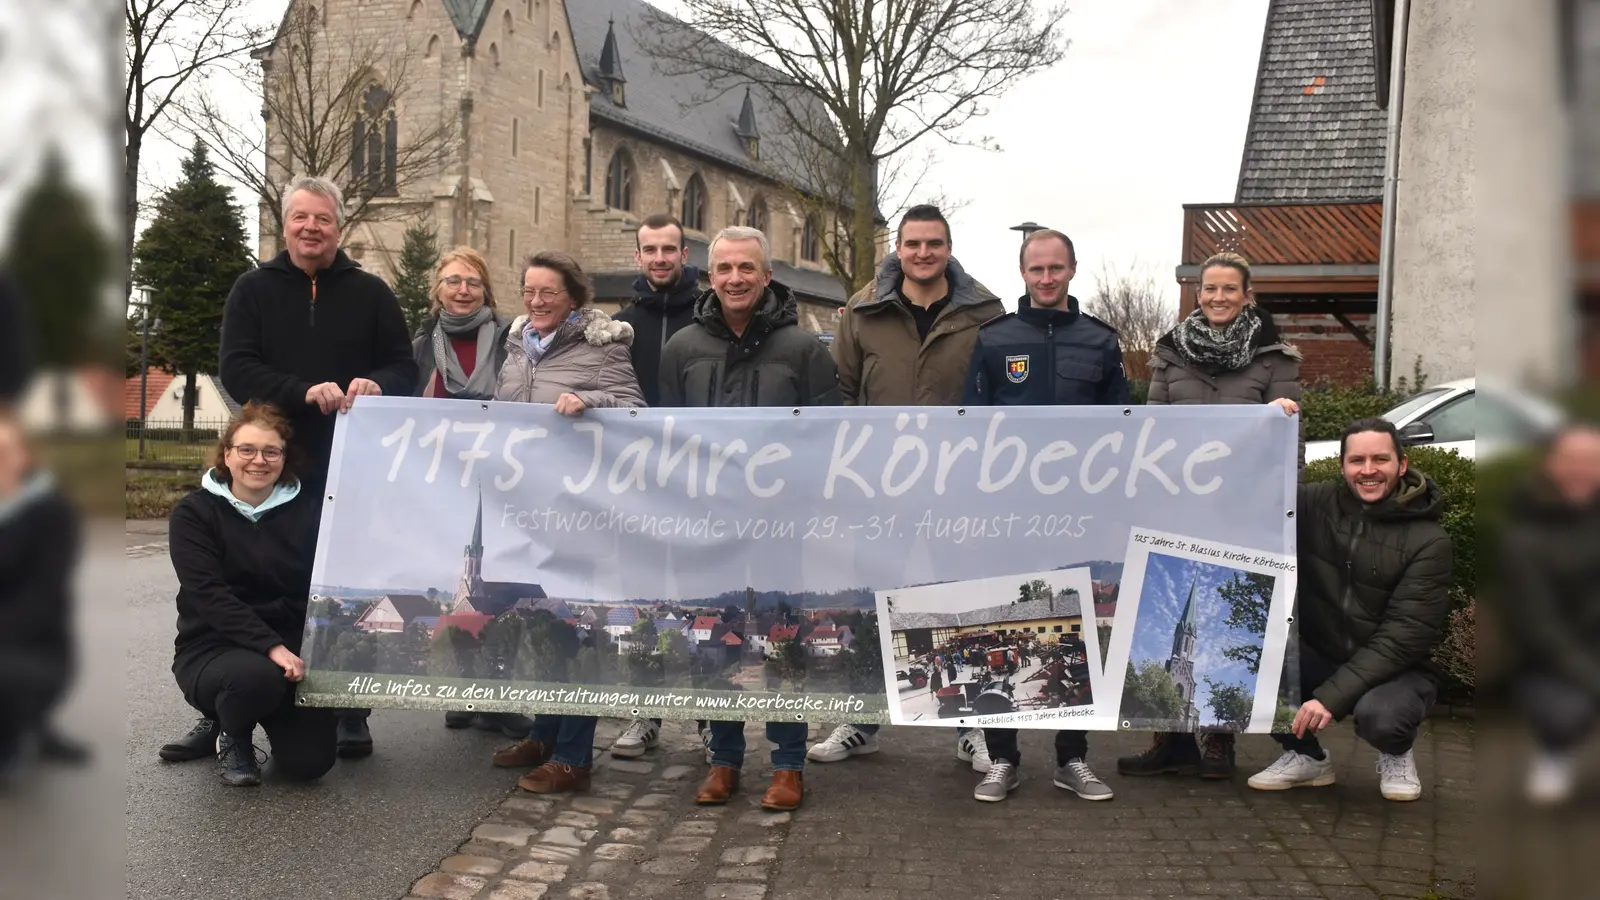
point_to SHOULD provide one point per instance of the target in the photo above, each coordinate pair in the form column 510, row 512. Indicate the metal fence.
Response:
column 167, row 441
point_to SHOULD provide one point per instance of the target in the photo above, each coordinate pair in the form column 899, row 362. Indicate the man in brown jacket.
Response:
column 906, row 340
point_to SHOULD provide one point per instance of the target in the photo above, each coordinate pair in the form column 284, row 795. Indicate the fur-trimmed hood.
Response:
column 596, row 328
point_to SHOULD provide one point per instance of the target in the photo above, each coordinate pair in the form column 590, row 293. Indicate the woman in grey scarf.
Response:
column 460, row 348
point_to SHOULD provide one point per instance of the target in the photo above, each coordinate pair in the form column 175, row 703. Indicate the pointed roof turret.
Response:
column 747, row 118
column 610, row 56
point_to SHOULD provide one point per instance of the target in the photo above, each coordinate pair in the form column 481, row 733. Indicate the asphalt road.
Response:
column 365, row 831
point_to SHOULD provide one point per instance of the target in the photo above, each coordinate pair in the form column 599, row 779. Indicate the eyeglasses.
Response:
column 455, row 281
column 248, row 452
column 537, row 293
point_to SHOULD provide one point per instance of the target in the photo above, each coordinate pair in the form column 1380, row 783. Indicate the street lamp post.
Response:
column 144, row 365
column 1028, row 228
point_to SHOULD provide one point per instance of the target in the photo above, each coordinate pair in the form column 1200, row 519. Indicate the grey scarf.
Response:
column 456, row 383
column 1220, row 350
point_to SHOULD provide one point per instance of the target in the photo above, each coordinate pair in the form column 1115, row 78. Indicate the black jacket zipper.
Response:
column 1350, row 583
column 1050, row 338
column 313, row 301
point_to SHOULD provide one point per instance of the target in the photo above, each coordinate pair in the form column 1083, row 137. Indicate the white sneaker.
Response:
column 972, row 748
column 1551, row 779
column 1294, row 770
column 639, row 736
column 1001, row 779
column 1397, row 777
column 845, row 742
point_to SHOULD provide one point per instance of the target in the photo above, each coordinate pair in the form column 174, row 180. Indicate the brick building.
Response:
column 568, row 137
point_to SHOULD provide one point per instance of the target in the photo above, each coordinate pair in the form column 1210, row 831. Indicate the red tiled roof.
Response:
column 156, row 381
column 706, row 623
column 783, row 633
column 731, row 639
column 472, row 623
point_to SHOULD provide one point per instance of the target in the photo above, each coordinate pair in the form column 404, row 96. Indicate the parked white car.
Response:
column 1451, row 416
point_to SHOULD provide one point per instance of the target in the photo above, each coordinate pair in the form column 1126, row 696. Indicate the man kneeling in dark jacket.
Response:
column 1374, row 583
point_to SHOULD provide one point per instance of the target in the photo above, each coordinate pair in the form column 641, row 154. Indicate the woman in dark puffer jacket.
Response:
column 1225, row 352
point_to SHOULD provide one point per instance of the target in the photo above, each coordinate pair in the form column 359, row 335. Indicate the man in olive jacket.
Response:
column 1373, row 599
column 906, row 340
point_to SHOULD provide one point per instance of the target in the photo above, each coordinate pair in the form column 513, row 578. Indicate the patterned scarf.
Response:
column 1225, row 349
column 480, row 385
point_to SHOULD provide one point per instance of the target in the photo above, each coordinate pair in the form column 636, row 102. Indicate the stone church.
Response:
column 568, row 137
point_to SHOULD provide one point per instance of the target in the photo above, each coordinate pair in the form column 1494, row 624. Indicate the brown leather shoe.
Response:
column 555, row 778
column 786, row 793
column 718, row 786
column 523, row 755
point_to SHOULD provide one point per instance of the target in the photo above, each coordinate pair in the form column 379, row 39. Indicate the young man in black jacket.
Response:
column 1373, row 598
column 309, row 331
column 663, row 304
column 1047, row 353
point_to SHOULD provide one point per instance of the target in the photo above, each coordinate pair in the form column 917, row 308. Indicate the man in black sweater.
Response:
column 309, row 332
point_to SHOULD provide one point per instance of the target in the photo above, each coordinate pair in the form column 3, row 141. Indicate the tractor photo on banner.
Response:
column 1111, row 568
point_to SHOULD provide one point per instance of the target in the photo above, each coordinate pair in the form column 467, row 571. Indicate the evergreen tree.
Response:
column 413, row 282
column 190, row 256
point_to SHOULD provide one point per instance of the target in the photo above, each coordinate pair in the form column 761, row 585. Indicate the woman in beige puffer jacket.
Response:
column 575, row 358
column 562, row 352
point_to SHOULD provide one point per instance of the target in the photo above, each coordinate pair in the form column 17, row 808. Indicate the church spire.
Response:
column 746, row 129
column 475, row 549
column 1186, row 623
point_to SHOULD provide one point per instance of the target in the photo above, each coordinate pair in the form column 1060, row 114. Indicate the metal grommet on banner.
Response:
column 1126, row 724
column 795, row 411
column 330, row 498
column 962, row 411
column 1289, row 621
column 485, row 406
column 634, row 713
column 1290, row 513
column 302, row 701
column 1127, row 411
column 469, row 707
column 633, row 414
column 799, row 717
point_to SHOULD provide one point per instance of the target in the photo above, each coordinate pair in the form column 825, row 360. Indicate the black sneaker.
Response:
column 355, row 741
column 458, row 718
column 1170, row 753
column 236, row 763
column 199, row 743
column 1216, row 755
column 54, row 747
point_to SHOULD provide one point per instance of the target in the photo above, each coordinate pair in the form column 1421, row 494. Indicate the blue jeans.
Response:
column 572, row 736
column 727, row 745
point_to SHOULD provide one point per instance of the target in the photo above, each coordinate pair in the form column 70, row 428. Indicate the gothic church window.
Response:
column 372, row 145
column 811, row 239
column 694, row 204
column 619, row 181
column 756, row 216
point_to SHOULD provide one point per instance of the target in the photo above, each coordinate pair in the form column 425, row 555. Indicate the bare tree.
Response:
column 1130, row 301
column 329, row 108
column 856, row 83
column 167, row 45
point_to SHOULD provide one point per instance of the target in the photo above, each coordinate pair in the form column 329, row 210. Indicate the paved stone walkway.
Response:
column 902, row 824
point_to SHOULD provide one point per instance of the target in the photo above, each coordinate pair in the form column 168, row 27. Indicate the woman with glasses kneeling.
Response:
column 242, row 547
column 571, row 356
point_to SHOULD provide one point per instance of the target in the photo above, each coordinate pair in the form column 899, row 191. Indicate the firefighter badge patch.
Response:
column 1017, row 369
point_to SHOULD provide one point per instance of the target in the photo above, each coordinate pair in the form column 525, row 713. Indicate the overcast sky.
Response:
column 1146, row 112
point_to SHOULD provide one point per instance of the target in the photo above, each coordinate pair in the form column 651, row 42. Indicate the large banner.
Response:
column 1038, row 567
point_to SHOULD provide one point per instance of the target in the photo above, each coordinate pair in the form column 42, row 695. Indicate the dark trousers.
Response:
column 242, row 689
column 32, row 694
column 1388, row 716
column 1003, row 745
column 1560, row 713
